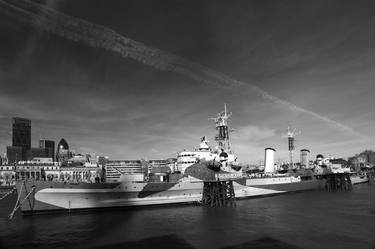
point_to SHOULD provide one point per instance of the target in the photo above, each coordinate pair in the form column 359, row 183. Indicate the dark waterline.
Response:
column 303, row 220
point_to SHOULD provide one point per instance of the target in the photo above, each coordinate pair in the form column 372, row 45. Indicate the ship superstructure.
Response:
column 221, row 155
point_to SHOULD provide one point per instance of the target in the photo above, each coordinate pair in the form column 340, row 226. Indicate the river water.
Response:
column 314, row 219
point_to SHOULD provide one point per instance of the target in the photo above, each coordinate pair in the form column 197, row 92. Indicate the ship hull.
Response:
column 58, row 196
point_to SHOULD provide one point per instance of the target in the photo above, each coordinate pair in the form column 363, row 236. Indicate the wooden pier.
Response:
column 338, row 182
column 218, row 193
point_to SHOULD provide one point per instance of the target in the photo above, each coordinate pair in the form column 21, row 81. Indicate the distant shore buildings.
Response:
column 21, row 149
column 49, row 148
column 364, row 159
column 61, row 163
column 62, row 153
column 21, row 140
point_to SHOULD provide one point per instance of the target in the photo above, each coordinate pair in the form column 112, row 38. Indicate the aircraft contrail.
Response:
column 95, row 35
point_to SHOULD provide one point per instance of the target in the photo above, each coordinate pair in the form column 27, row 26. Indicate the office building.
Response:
column 37, row 152
column 21, row 137
column 62, row 152
column 14, row 154
column 49, row 147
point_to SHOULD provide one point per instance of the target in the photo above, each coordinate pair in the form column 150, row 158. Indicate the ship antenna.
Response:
column 292, row 133
column 222, row 136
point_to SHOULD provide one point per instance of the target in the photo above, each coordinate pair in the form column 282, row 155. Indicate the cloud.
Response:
column 79, row 30
column 252, row 133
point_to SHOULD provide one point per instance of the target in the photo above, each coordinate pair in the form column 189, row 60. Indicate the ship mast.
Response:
column 222, row 136
column 291, row 139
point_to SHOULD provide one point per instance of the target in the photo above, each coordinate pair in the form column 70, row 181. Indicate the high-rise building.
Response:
column 49, row 147
column 21, row 136
column 62, row 151
column 14, row 154
column 63, row 144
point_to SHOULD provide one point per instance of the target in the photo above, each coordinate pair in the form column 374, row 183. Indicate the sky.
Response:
column 308, row 63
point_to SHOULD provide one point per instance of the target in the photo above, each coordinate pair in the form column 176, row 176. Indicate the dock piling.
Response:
column 218, row 193
column 338, row 182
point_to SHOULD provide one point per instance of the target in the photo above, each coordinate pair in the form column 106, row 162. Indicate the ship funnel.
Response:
column 305, row 158
column 269, row 160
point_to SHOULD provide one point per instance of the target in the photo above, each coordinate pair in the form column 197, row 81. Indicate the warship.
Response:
column 182, row 185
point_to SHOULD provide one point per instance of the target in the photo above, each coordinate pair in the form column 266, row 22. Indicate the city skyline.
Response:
column 314, row 66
